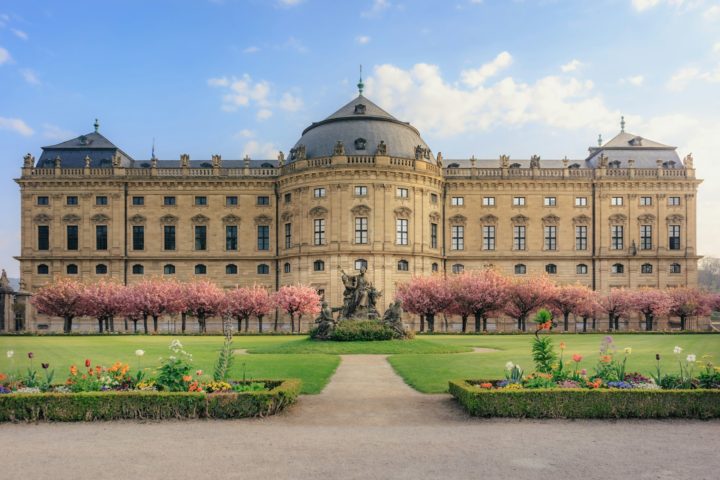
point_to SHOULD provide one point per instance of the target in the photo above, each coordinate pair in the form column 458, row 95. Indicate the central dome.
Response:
column 361, row 126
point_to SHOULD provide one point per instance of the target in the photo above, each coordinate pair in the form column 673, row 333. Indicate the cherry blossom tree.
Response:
column 297, row 300
column 480, row 294
column 103, row 301
column 425, row 296
column 61, row 298
column 689, row 302
column 566, row 300
column 588, row 307
column 154, row 298
column 526, row 295
column 616, row 304
column 203, row 300
column 652, row 303
column 245, row 302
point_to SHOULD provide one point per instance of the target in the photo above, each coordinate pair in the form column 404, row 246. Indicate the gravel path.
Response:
column 367, row 424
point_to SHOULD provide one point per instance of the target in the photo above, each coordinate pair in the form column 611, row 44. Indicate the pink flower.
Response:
column 577, row 357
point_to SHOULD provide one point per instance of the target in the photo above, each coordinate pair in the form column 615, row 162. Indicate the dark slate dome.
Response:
column 361, row 125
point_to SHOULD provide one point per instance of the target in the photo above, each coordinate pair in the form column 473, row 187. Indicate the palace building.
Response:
column 358, row 188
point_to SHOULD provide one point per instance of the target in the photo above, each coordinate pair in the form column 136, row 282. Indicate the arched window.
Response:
column 435, row 267
column 454, row 165
column 100, row 269
column 138, row 269
column 200, row 269
column 267, row 165
column 206, row 165
column 43, row 269
column 618, row 268
column 646, row 268
column 319, row 266
column 286, row 268
column 403, row 266
column 263, row 269
column 581, row 269
column 359, row 263
column 71, row 269
column 675, row 268
column 551, row 268
column 520, row 269
column 458, row 268
column 169, row 269
column 231, row 269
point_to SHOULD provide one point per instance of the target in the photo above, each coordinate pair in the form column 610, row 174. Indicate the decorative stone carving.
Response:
column 359, row 109
column 581, row 220
column 361, row 210
column 71, row 218
column 281, row 159
column 42, row 218
column 28, row 161
column 381, row 148
column 200, row 219
column 688, row 161
column 360, row 143
column 116, row 160
column 435, row 217
column 647, row 218
column 231, row 219
column 617, row 219
column 185, row 160
column 359, row 297
column 439, row 159
column 153, row 162
column 504, row 161
column 535, row 161
column 58, row 162
column 603, row 161
column 339, row 148
column 87, row 161
column 519, row 220
column 458, row 220
column 216, row 161
column 676, row 218
column 137, row 219
column 298, row 153
column 402, row 212
column 421, row 152
column 286, row 216
column 488, row 219
column 100, row 218
column 318, row 211
column 551, row 219
column 263, row 220
column 168, row 219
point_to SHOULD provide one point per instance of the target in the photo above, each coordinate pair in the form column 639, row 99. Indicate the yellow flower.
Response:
column 628, row 350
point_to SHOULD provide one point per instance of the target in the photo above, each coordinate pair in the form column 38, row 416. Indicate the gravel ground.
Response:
column 366, row 424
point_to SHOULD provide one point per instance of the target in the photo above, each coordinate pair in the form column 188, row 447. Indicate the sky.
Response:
column 476, row 77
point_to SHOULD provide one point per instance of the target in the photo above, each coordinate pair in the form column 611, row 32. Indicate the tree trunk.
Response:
column 126, row 324
column 610, row 321
column 484, row 323
column 682, row 322
column 648, row 322
column 566, row 321
column 100, row 325
column 277, row 316
column 155, row 323
column 247, row 321
column 67, row 325
column 422, row 323
column 112, row 323
column 134, row 325
column 431, row 322
column 523, row 323
column 594, row 323
column 584, row 324
column 292, row 323
column 260, row 319
column 239, row 320
column 145, row 325
column 478, row 322
column 299, row 321
column 464, row 323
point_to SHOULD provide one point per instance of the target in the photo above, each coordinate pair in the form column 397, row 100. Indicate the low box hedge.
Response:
column 584, row 403
column 147, row 405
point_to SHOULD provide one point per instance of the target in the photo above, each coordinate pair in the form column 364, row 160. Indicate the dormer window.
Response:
column 266, row 165
column 206, row 165
column 669, row 164
column 359, row 109
column 83, row 140
column 360, row 144
column 614, row 164
column 636, row 142
column 574, row 165
column 514, row 165
column 454, row 165
column 145, row 165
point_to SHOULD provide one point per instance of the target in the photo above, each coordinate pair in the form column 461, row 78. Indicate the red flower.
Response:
column 87, row 363
column 577, row 357
column 486, row 385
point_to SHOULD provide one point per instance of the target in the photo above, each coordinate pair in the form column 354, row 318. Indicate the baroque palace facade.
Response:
column 359, row 187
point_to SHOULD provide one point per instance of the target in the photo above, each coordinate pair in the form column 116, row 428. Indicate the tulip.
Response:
column 87, row 362
column 562, row 345
column 45, row 365
column 199, row 372
column 577, row 357
column 31, row 355
column 657, row 357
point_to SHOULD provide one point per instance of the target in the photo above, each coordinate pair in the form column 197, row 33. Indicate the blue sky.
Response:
column 477, row 78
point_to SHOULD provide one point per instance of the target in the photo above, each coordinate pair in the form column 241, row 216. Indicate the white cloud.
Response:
column 260, row 150
column 4, row 56
column 16, row 125
column 244, row 92
column 362, row 40
column 19, row 33
column 244, row 133
column 289, row 3
column 290, row 102
column 30, row 77
column 476, row 77
column 53, row 132
column 636, row 80
column 682, row 78
column 642, row 5
column 682, row 5
column 377, row 7
column 571, row 66
column 251, row 49
column 218, row 82
column 264, row 114
column 712, row 13
column 716, row 47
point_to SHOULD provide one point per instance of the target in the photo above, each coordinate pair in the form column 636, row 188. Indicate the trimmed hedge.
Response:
column 583, row 403
column 359, row 331
column 89, row 406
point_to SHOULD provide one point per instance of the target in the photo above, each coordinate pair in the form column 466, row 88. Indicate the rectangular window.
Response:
column 168, row 201
column 433, row 235
column 231, row 237
column 488, row 201
column 550, row 201
column 673, row 201
column 43, row 237
column 169, row 237
column 288, row 197
column 101, row 200
column 646, row 241
column 488, row 237
column 674, row 237
column 200, row 237
column 101, row 237
column 401, row 192
column 138, row 201
column 645, row 201
column 361, row 230
column 518, row 201
column 288, row 235
column 263, row 237
column 457, row 201
column 581, row 240
column 263, row 200
column 43, row 200
column 550, row 237
column 360, row 191
column 319, row 231
column 457, row 237
column 519, row 237
column 433, row 198
column 401, row 230
column 72, row 237
column 138, row 237
column 581, row 201
column 201, row 201
column 319, row 192
column 617, row 237
column 616, row 201
column 72, row 200
column 231, row 201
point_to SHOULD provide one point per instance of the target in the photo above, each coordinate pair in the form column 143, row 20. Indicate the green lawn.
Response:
column 306, row 345
column 431, row 373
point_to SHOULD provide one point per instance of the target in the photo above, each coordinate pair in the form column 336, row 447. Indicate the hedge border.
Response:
column 147, row 405
column 585, row 403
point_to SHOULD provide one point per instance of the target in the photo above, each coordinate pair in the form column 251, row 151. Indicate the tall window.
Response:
column 519, row 237
column 318, row 266
column 200, row 237
column 360, row 263
column 401, row 192
column 403, row 266
column 581, row 239
column 43, row 237
column 286, row 267
column 433, row 235
column 457, row 201
column 360, row 191
column 401, row 230
column 169, row 237
column 319, row 231
column 263, row 237
column 72, row 237
column 433, row 198
column 551, row 237
column 674, row 237
column 101, row 237
column 646, row 242
column 361, row 230
column 434, row 267
column 319, row 192
column 617, row 237
column 231, row 237
column 675, row 268
column 138, row 237
column 457, row 237
column 288, row 235
column 550, row 201
column 288, row 197
column 488, row 237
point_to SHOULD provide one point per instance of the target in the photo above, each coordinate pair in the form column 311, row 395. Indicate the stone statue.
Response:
column 393, row 319
column 339, row 148
column 439, row 159
column 184, row 160
column 535, row 161
column 281, row 159
column 382, row 148
column 603, row 161
column 300, row 153
column 58, row 162
column 87, row 161
column 116, row 160
column 359, row 296
column 325, row 321
column 216, row 161
column 505, row 161
column 688, row 161
column 418, row 152
column 4, row 282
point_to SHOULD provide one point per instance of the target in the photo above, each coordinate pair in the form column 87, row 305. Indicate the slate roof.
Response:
column 72, row 153
column 524, row 163
column 645, row 152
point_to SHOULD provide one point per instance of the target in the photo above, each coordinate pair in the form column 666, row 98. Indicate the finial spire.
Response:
column 153, row 148
column 622, row 123
column 599, row 139
column 96, row 125
column 360, row 84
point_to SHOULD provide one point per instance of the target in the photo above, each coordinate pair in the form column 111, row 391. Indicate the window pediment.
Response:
column 42, row 218
column 71, row 218
column 318, row 211
column 231, row 219
column 675, row 218
column 361, row 210
column 402, row 212
column 488, row 219
column 263, row 220
column 100, row 218
column 617, row 219
column 458, row 220
column 519, row 220
column 200, row 219
column 137, row 219
column 647, row 218
column 581, row 220
column 551, row 219
column 168, row 219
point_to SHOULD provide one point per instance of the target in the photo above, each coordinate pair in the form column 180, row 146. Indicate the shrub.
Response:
column 359, row 330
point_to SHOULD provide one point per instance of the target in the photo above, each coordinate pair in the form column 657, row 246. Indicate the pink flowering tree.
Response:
column 245, row 302
column 478, row 294
column 426, row 296
column 616, row 304
column 296, row 301
column 154, row 298
column 61, row 298
column 526, row 295
column 689, row 302
column 566, row 300
column 203, row 300
column 652, row 303
column 588, row 307
column 103, row 301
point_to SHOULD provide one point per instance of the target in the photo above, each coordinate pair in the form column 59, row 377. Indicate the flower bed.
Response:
column 149, row 405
